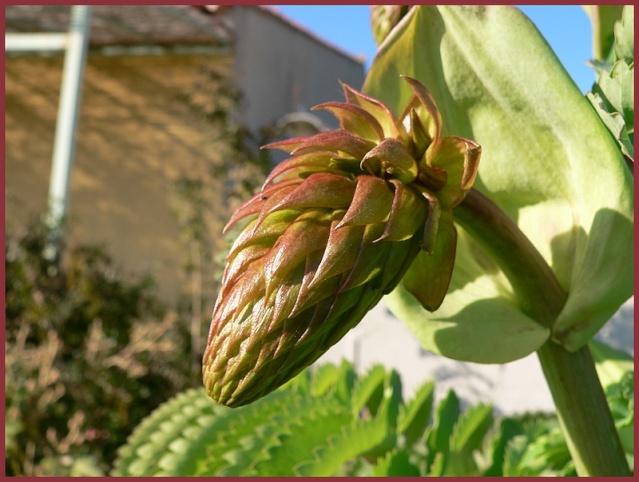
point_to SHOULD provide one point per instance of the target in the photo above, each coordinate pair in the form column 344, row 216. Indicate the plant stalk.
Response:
column 579, row 399
column 583, row 411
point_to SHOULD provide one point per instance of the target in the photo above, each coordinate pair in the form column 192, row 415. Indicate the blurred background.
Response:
column 111, row 276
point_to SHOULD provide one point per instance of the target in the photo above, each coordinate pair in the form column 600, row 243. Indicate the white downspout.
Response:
column 35, row 42
column 68, row 110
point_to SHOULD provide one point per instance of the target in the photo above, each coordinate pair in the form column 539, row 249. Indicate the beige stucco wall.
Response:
column 282, row 69
column 137, row 133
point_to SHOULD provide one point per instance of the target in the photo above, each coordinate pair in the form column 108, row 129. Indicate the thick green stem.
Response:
column 535, row 284
column 581, row 405
column 583, row 411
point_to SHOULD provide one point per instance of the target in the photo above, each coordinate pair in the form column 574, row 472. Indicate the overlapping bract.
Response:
column 334, row 228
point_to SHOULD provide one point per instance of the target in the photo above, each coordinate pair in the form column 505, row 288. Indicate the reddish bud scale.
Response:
column 335, row 227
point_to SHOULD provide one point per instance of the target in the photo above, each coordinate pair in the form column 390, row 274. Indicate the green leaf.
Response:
column 603, row 19
column 613, row 98
column 300, row 384
column 548, row 455
column 513, row 455
column 438, row 466
column 292, row 434
column 625, row 35
column 340, row 449
column 324, row 378
column 395, row 464
column 280, row 434
column 612, row 95
column 621, row 398
column 154, row 435
column 415, row 415
column 345, row 382
column 369, row 390
column 297, row 445
column 611, row 364
column 616, row 88
column 471, row 428
column 446, row 416
column 615, row 123
column 369, row 438
column 384, row 18
column 547, row 160
column 467, row 437
column 387, row 414
column 479, row 319
column 496, row 452
column 216, row 445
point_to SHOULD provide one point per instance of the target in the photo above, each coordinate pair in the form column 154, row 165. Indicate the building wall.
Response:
column 281, row 69
column 138, row 132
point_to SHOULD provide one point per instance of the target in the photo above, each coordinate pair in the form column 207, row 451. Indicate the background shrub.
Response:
column 89, row 352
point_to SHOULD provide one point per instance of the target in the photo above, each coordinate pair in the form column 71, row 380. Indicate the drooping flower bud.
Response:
column 334, row 228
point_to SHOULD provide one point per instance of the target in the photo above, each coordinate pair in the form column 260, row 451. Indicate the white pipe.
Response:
column 35, row 42
column 68, row 110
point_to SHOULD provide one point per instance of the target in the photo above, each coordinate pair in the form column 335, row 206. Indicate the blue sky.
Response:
column 566, row 28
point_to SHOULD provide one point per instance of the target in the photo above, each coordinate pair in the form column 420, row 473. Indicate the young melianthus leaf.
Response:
column 335, row 228
column 384, row 18
column 547, row 161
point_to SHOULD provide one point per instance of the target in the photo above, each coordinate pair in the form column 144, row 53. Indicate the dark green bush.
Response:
column 89, row 353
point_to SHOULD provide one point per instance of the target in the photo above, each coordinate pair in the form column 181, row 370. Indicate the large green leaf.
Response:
column 547, row 161
column 372, row 437
column 328, row 419
column 603, row 19
column 479, row 305
column 307, row 427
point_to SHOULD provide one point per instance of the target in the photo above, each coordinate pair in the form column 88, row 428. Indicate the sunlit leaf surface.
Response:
column 548, row 162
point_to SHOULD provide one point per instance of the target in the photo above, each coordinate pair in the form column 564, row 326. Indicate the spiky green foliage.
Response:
column 539, row 450
column 612, row 95
column 621, row 397
column 315, row 425
column 330, row 421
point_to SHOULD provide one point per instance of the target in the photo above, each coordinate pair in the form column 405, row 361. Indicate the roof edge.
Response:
column 279, row 16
